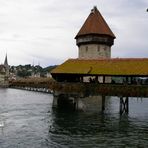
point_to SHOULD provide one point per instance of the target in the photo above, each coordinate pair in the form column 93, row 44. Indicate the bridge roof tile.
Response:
column 116, row 66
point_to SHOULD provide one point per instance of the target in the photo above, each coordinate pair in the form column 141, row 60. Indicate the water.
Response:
column 28, row 121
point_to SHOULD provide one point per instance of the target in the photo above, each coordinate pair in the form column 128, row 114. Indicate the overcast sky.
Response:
column 42, row 31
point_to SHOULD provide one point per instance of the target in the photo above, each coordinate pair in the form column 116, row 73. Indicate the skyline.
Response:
column 43, row 31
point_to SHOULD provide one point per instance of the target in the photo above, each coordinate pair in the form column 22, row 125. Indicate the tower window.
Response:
column 98, row 48
column 86, row 48
column 105, row 48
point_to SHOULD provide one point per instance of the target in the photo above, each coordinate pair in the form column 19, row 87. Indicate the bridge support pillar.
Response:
column 124, row 105
column 103, row 103
column 55, row 99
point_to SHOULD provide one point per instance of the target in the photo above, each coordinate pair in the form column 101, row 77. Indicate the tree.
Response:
column 23, row 73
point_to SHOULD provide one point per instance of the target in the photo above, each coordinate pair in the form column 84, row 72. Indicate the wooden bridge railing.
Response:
column 84, row 89
column 103, row 89
column 32, row 82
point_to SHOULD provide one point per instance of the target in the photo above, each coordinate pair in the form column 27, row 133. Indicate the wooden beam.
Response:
column 103, row 103
column 124, row 105
column 103, row 79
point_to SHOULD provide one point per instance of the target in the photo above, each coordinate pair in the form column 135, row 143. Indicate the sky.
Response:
column 42, row 31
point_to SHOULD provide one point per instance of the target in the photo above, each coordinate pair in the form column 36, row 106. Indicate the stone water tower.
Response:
column 95, row 38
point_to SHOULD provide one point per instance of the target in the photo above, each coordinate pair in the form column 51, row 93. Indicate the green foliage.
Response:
column 23, row 73
column 28, row 70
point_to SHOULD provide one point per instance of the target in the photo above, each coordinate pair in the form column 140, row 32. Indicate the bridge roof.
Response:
column 95, row 24
column 112, row 67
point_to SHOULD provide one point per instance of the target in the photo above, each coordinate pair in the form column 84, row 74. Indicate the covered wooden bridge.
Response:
column 102, row 70
column 98, row 77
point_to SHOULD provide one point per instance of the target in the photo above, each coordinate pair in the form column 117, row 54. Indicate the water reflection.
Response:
column 96, row 130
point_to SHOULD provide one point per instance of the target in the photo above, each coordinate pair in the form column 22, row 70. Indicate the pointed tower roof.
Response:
column 6, row 61
column 95, row 24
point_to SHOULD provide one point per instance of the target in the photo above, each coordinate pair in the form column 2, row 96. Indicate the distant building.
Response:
column 4, row 73
column 48, row 75
column 36, row 75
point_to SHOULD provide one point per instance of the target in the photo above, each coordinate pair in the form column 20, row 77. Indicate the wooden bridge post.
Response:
column 127, row 105
column 76, row 106
column 124, row 105
column 103, row 103
column 103, row 79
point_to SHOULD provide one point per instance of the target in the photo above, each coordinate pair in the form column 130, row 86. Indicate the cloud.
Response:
column 44, row 30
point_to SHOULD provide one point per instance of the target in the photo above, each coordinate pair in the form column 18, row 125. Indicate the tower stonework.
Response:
column 94, row 51
column 95, row 38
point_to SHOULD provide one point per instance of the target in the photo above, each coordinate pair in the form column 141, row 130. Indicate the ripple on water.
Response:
column 31, row 122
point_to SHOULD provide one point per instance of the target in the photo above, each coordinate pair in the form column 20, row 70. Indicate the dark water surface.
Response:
column 28, row 121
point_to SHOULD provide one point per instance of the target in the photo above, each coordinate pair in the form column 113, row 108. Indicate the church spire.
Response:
column 6, row 61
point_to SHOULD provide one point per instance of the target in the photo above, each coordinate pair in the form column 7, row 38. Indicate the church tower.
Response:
column 95, row 38
column 6, row 61
column 6, row 66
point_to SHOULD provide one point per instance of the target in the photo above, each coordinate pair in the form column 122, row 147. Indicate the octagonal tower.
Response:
column 95, row 38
